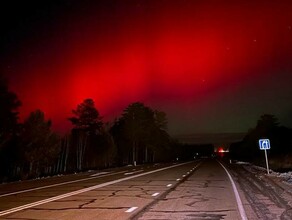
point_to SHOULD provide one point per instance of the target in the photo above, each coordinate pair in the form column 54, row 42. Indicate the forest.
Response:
column 31, row 149
column 280, row 154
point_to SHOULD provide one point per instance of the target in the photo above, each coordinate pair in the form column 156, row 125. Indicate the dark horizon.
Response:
column 210, row 138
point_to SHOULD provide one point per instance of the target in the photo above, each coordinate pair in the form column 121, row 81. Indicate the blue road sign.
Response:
column 264, row 144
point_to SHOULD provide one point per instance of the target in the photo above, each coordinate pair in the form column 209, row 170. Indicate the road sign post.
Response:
column 265, row 145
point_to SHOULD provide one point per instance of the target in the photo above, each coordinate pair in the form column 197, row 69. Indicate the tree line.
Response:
column 280, row 154
column 32, row 149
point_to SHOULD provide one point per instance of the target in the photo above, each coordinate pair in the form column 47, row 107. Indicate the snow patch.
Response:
column 287, row 177
column 284, row 177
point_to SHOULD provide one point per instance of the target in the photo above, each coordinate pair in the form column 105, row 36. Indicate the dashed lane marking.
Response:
column 66, row 195
column 169, row 185
column 131, row 209
column 98, row 174
column 130, row 173
column 155, row 194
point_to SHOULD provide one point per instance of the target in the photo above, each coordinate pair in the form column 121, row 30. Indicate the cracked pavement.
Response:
column 198, row 190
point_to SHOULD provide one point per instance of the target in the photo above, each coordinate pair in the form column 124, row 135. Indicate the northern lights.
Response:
column 212, row 66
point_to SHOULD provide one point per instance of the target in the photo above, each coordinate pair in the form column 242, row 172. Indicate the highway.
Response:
column 202, row 189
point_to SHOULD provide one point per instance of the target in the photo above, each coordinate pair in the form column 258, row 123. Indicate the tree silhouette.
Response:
column 160, row 140
column 87, row 124
column 160, row 119
column 144, row 130
column 267, row 122
column 86, row 117
column 267, row 127
column 40, row 146
column 138, row 121
column 8, row 112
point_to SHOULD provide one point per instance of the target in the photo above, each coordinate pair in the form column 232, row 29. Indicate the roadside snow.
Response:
column 284, row 177
column 287, row 177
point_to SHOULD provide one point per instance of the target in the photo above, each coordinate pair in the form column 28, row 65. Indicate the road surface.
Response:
column 202, row 189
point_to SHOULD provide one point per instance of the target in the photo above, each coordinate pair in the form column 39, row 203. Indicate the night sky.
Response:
column 212, row 66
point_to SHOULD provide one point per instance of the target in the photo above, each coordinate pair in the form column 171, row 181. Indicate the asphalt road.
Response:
column 194, row 190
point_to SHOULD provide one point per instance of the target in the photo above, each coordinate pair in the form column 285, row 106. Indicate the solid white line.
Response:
column 59, row 184
column 19, row 208
column 237, row 197
column 169, row 185
column 155, row 194
column 131, row 209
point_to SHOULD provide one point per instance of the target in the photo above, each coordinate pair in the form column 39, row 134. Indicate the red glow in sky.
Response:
column 199, row 61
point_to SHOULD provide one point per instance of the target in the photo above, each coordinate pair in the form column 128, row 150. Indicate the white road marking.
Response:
column 59, row 184
column 44, row 201
column 130, row 173
column 169, row 185
column 237, row 197
column 183, row 175
column 155, row 194
column 178, row 179
column 101, row 173
column 131, row 209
